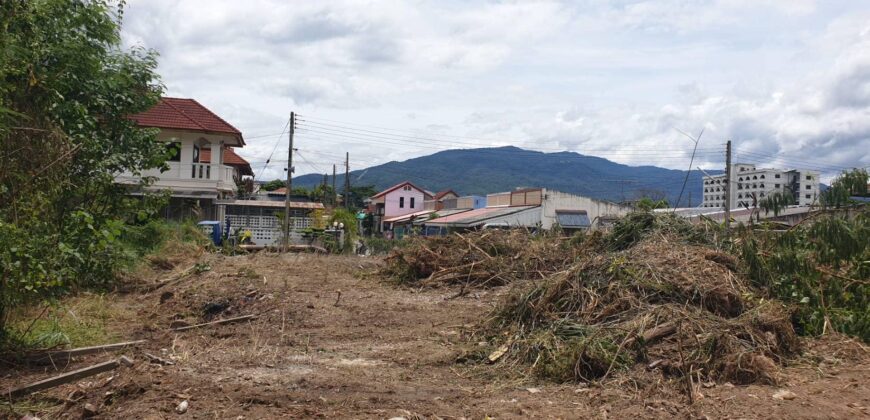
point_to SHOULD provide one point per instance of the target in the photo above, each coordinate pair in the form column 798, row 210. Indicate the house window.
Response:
column 809, row 196
column 776, row 176
column 776, row 186
column 412, row 202
column 809, row 187
column 174, row 151
column 762, row 176
column 195, row 154
column 809, row 177
column 401, row 202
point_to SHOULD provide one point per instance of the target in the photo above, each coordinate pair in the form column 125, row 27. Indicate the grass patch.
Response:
column 84, row 320
column 162, row 244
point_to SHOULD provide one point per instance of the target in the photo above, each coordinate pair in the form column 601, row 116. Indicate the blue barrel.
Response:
column 212, row 228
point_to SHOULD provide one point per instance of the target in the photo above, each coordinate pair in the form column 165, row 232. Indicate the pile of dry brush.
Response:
column 654, row 292
column 481, row 259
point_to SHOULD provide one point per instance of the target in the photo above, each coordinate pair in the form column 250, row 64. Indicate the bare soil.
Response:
column 329, row 343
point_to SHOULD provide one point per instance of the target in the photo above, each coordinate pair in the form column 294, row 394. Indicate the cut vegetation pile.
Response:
column 671, row 306
column 479, row 259
column 652, row 292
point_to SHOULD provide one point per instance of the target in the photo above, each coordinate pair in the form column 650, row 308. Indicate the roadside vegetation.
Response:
column 66, row 89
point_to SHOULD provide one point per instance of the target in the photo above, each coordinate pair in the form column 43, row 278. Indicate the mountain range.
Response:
column 489, row 170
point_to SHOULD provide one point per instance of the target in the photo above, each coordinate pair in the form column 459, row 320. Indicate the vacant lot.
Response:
column 331, row 343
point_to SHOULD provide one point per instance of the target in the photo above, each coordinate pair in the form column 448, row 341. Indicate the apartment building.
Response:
column 750, row 184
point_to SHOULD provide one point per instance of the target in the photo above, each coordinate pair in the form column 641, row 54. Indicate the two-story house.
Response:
column 203, row 168
column 398, row 200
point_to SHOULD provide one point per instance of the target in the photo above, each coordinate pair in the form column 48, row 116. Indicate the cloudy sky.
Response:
column 787, row 80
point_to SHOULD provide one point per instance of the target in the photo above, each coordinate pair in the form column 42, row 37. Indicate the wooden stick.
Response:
column 218, row 322
column 56, row 354
column 655, row 334
column 68, row 377
column 159, row 360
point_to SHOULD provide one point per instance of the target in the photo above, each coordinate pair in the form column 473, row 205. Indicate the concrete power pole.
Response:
column 728, row 185
column 286, row 241
column 334, row 192
column 347, row 180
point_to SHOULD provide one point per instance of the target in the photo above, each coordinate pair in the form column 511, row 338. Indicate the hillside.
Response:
column 481, row 171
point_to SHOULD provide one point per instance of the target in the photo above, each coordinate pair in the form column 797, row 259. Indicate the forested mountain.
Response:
column 482, row 171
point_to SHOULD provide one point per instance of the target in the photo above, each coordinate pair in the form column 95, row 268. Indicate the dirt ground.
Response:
column 329, row 343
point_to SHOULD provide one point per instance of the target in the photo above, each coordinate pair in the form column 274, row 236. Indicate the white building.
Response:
column 204, row 167
column 750, row 185
column 534, row 208
column 204, row 173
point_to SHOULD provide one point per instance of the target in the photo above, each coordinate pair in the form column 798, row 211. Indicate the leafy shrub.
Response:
column 822, row 268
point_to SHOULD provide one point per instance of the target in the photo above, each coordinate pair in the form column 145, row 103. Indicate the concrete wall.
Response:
column 498, row 199
column 471, row 202
column 556, row 200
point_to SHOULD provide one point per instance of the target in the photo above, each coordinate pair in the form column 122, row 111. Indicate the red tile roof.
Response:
column 400, row 185
column 441, row 194
column 185, row 114
column 230, row 158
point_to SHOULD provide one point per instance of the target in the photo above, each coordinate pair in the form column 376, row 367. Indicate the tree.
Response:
column 776, row 202
column 273, row 185
column 648, row 204
column 848, row 184
column 66, row 91
column 359, row 194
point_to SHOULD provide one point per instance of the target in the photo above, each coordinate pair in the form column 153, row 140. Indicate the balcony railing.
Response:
column 193, row 174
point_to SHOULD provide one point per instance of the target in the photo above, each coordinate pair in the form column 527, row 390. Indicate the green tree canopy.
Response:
column 849, row 184
column 66, row 90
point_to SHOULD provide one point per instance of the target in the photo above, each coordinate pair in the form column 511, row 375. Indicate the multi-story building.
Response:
column 749, row 185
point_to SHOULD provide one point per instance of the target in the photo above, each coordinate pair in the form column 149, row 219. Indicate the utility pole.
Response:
column 334, row 192
column 728, row 185
column 286, row 242
column 347, row 180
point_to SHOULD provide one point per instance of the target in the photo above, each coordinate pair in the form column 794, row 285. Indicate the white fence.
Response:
column 266, row 230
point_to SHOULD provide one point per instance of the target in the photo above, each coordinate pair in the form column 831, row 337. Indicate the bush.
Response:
column 67, row 89
column 381, row 246
column 822, row 268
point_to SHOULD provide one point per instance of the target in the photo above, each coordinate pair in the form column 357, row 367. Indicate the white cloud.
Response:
column 787, row 80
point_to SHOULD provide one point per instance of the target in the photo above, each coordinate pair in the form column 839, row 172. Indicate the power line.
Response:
column 277, row 141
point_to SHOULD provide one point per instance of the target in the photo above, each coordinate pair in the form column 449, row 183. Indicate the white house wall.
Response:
column 595, row 209
column 178, row 178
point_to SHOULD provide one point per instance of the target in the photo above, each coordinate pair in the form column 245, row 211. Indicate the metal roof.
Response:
column 477, row 216
column 442, row 213
column 271, row 203
column 573, row 218
column 408, row 216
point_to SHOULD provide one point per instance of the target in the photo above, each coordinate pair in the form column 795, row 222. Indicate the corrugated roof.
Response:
column 573, row 218
column 408, row 216
column 477, row 215
column 270, row 203
column 442, row 213
column 185, row 114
